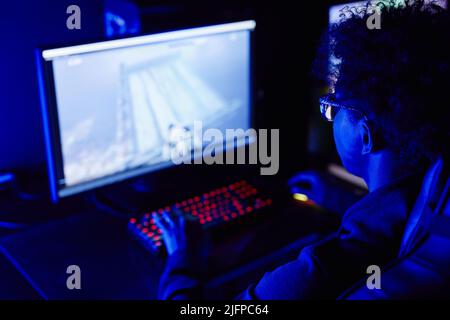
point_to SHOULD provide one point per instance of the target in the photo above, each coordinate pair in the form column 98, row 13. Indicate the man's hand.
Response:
column 325, row 190
column 181, row 234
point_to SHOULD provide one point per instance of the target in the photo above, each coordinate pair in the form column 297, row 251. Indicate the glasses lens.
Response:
column 328, row 111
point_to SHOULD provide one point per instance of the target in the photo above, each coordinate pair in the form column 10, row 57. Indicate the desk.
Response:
column 114, row 266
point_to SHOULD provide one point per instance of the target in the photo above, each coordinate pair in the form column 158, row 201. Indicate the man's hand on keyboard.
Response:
column 181, row 233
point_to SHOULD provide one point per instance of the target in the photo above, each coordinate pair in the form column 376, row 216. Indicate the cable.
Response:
column 8, row 181
column 12, row 225
column 104, row 207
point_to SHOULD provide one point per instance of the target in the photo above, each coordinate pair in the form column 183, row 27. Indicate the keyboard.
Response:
column 219, row 207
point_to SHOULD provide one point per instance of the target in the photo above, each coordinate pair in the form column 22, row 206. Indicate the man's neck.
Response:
column 383, row 168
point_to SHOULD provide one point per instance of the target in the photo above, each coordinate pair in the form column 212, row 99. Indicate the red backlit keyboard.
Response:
column 215, row 208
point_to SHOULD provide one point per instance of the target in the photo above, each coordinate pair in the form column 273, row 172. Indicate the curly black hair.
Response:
column 400, row 73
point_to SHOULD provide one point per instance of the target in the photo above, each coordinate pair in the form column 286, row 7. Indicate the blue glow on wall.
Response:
column 23, row 27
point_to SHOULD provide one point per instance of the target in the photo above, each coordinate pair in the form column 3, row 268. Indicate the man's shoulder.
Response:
column 334, row 251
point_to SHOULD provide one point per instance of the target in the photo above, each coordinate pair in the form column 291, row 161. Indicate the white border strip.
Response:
column 161, row 37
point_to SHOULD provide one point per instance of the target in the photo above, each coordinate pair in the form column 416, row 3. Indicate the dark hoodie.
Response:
column 370, row 234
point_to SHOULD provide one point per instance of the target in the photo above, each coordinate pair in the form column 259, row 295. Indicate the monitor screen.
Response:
column 115, row 109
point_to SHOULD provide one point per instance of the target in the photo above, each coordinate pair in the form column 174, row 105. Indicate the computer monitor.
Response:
column 111, row 109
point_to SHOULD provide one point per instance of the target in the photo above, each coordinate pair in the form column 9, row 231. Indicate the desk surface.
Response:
column 114, row 266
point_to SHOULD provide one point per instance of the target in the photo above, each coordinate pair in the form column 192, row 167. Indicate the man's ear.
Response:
column 367, row 143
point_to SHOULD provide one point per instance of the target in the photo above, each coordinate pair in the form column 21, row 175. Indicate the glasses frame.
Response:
column 328, row 101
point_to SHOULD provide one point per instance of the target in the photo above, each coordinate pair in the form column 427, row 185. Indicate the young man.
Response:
column 390, row 113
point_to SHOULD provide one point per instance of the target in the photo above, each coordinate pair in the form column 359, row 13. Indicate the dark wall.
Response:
column 24, row 25
column 286, row 40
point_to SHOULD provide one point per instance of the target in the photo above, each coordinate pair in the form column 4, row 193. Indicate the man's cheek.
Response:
column 346, row 144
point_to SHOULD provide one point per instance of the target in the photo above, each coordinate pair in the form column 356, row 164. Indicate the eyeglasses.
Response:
column 329, row 108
